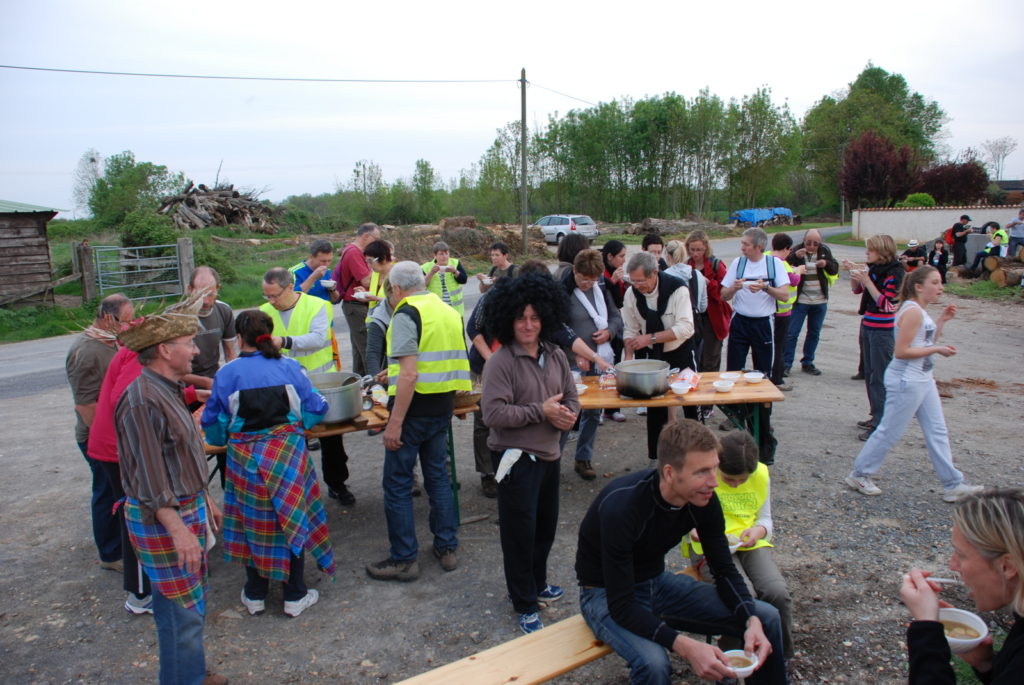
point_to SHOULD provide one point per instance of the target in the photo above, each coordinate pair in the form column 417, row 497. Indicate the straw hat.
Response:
column 176, row 321
column 912, row 243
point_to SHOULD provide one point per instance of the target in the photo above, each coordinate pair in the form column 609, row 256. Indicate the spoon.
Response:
column 941, row 581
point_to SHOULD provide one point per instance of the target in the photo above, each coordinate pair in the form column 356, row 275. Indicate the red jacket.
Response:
column 719, row 311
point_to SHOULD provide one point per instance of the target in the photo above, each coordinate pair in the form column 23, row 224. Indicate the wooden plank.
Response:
column 10, row 252
column 534, row 658
column 15, row 231
column 22, row 242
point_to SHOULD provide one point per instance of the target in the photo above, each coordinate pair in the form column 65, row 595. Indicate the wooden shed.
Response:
column 25, row 251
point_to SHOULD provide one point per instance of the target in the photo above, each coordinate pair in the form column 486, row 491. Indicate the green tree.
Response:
column 425, row 186
column 127, row 186
column 878, row 101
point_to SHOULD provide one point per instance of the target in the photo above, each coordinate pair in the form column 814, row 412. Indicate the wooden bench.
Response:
column 534, row 658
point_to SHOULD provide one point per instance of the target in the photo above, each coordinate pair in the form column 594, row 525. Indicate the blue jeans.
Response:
column 1015, row 245
column 815, row 315
column 426, row 437
column 684, row 604
column 903, row 401
column 179, row 633
column 106, row 530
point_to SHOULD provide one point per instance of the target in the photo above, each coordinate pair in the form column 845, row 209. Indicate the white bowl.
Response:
column 328, row 283
column 961, row 645
column 734, row 542
column 730, row 376
column 362, row 295
column 680, row 388
column 580, row 388
column 742, row 671
column 723, row 386
column 753, row 377
column 487, row 281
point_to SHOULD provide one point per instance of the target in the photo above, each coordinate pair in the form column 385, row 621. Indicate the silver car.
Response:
column 557, row 226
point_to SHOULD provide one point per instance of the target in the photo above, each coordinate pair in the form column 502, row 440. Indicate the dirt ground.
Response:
column 61, row 619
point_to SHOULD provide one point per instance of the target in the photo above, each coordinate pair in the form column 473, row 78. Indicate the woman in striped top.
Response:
column 877, row 285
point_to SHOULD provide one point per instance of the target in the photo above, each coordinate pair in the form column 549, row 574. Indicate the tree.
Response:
column 127, row 186
column 876, row 173
column 876, row 101
column 997, row 151
column 963, row 182
column 424, row 183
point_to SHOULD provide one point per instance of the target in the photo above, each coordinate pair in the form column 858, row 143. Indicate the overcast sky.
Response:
column 293, row 138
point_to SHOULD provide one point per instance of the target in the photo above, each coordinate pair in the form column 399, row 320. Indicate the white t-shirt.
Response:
column 758, row 304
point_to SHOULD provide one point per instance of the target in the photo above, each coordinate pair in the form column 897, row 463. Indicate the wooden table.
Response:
column 369, row 419
column 742, row 393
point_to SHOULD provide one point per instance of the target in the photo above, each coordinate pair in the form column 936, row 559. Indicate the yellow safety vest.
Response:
column 454, row 289
column 442, row 364
column 376, row 288
column 307, row 307
column 786, row 305
column 740, row 505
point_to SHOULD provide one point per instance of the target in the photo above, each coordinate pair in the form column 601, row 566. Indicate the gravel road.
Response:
column 61, row 619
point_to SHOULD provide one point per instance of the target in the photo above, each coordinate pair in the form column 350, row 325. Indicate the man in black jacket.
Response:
column 811, row 299
column 628, row 598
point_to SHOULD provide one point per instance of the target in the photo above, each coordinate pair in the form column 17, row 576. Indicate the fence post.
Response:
column 186, row 262
column 88, row 267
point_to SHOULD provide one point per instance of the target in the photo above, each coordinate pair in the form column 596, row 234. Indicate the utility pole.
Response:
column 522, row 145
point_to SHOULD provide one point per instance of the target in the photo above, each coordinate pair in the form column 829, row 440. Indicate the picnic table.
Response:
column 743, row 397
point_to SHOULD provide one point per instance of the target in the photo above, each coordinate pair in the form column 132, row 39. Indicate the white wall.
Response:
column 924, row 223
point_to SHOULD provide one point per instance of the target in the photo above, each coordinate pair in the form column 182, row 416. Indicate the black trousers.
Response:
column 257, row 587
column 781, row 330
column 754, row 335
column 135, row 579
column 333, row 463
column 657, row 417
column 527, row 521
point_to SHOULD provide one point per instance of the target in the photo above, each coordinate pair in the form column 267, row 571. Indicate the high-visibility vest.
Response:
column 740, row 505
column 442, row 364
column 305, row 309
column 454, row 289
column 787, row 304
column 376, row 288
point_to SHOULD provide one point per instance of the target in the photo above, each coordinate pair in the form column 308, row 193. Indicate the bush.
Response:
column 917, row 200
column 208, row 253
column 143, row 227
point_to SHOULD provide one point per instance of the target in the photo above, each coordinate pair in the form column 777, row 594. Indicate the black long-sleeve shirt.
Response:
column 929, row 656
column 623, row 541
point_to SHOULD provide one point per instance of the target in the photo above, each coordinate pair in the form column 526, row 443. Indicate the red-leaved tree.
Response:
column 876, row 173
column 955, row 183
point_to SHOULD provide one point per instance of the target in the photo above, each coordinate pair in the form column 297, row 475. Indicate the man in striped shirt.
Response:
column 163, row 470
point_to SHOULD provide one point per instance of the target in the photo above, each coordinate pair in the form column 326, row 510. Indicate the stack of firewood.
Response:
column 199, row 207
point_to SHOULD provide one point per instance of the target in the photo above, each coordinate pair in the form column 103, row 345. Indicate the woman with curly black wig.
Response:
column 529, row 398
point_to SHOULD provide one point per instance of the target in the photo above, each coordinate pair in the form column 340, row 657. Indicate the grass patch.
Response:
column 43, row 321
column 983, row 290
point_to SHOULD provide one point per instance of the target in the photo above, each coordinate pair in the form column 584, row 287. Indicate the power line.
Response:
column 251, row 78
column 565, row 95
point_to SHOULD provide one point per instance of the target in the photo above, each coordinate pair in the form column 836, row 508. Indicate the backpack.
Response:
column 948, row 236
column 742, row 266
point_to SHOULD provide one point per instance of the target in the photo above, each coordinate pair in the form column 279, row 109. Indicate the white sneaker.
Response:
column 960, row 491
column 137, row 606
column 641, row 411
column 862, row 485
column 295, row 608
column 254, row 606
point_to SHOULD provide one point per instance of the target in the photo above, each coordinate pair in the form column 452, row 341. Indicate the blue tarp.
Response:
column 755, row 217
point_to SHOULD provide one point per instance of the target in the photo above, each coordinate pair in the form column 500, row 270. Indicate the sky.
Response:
column 289, row 138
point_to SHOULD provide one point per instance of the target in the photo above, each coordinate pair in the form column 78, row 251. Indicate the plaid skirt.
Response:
column 272, row 505
column 155, row 550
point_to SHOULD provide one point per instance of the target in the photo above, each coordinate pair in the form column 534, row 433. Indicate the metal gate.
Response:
column 141, row 273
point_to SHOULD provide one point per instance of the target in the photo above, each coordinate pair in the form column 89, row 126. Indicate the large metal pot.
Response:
column 642, row 379
column 343, row 392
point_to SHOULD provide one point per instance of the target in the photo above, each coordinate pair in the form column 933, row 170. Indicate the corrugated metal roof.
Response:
column 9, row 207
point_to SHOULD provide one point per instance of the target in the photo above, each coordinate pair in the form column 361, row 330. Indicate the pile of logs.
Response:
column 199, row 207
column 1003, row 271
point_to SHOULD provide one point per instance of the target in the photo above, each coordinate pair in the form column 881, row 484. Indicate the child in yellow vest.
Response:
column 744, row 491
